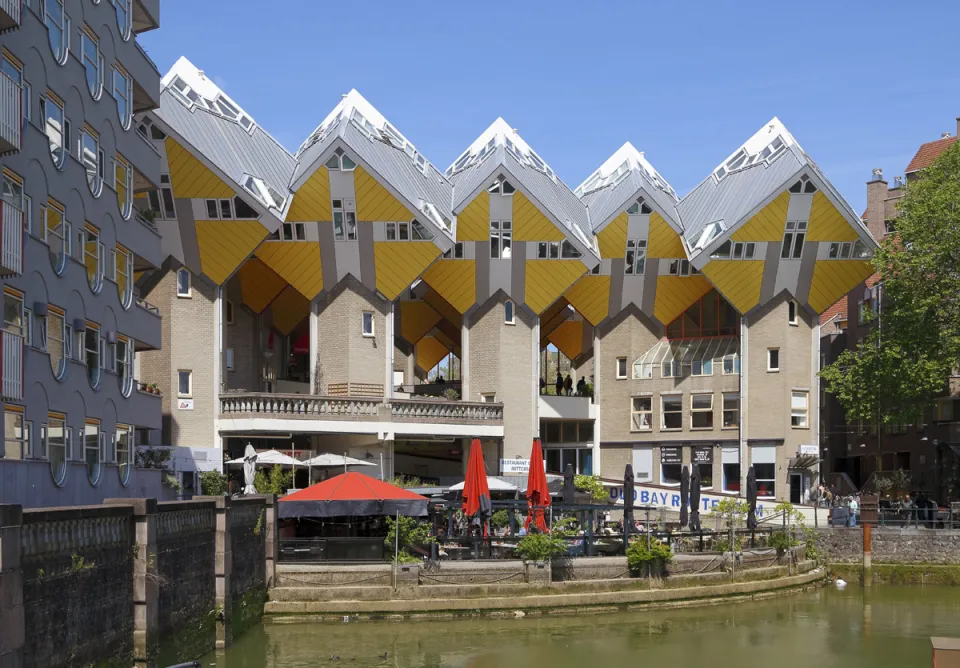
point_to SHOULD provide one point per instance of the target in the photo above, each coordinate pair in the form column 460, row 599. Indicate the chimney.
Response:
column 897, row 181
column 958, row 126
column 876, row 194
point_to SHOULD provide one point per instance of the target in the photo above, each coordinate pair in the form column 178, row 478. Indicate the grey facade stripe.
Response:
column 518, row 271
column 770, row 266
column 649, row 290
column 483, row 271
column 615, row 301
column 807, row 263
column 188, row 235
column 368, row 274
column 328, row 256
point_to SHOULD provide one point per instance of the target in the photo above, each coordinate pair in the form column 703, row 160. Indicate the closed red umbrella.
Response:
column 476, row 493
column 538, row 497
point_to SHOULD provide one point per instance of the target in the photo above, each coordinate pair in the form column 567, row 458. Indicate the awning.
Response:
column 803, row 462
column 352, row 495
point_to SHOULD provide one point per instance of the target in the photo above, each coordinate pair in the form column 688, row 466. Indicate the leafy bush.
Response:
column 213, row 483
column 541, row 547
column 500, row 519
column 566, row 527
column 592, row 485
column 732, row 512
column 276, row 483
column 782, row 541
column 412, row 532
column 172, row 482
column 451, row 394
column 640, row 558
column 723, row 544
column 406, row 481
column 153, row 458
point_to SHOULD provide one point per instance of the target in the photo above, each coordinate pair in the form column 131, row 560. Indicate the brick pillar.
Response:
column 146, row 589
column 12, row 631
column 271, row 541
column 223, row 567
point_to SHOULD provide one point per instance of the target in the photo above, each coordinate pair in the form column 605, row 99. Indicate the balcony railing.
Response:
column 297, row 405
column 423, row 410
column 11, row 367
column 147, row 306
column 11, row 240
column 9, row 14
column 143, row 220
column 11, row 118
column 355, row 390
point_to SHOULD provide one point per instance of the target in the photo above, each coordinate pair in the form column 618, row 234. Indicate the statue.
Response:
column 249, row 469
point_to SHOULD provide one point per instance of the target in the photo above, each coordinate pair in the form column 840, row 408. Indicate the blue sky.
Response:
column 859, row 84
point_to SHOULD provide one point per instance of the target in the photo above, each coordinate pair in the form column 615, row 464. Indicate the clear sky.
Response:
column 859, row 84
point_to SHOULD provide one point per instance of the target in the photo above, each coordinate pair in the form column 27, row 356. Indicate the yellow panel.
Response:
column 531, row 225
column 613, row 238
column 259, row 285
column 568, row 337
column 473, row 223
column 398, row 263
column 311, row 202
column 832, row 279
column 297, row 262
column 288, row 310
column 416, row 319
column 767, row 224
column 374, row 202
column 548, row 279
column 676, row 293
column 455, row 281
column 225, row 244
column 430, row 352
column 738, row 281
column 662, row 240
column 191, row 178
column 591, row 297
column 828, row 224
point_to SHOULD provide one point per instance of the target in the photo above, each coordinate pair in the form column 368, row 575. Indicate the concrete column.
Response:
column 146, row 590
column 271, row 539
column 222, row 569
column 12, row 630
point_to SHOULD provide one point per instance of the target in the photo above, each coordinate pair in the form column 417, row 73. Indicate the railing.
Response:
column 425, row 410
column 11, row 240
column 147, row 306
column 11, row 366
column 354, row 390
column 9, row 14
column 143, row 220
column 297, row 405
column 11, row 118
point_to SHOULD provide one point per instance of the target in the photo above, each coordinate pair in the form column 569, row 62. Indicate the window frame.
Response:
column 635, row 423
column 60, row 24
column 773, row 366
column 229, row 359
column 46, row 102
column 621, row 375
column 701, row 411
column 509, row 312
column 124, row 461
column 126, row 205
column 91, row 428
column 800, row 420
column 501, row 239
column 58, row 468
column 188, row 293
column 89, row 37
column 725, row 410
column 364, row 331
column 792, row 314
column 678, row 411
column 93, row 354
column 126, row 24
column 794, row 239
column 189, row 376
column 126, row 95
column 635, row 257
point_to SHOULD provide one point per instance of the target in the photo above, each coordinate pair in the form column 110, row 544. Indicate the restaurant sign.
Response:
column 508, row 466
column 669, row 498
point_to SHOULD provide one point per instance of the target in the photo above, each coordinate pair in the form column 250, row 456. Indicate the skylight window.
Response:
column 433, row 214
column 743, row 159
column 639, row 207
column 319, row 133
column 804, row 185
column 259, row 189
column 710, row 232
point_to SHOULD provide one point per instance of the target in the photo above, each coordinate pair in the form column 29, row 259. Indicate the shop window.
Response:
column 702, row 457
column 731, row 469
column 670, row 465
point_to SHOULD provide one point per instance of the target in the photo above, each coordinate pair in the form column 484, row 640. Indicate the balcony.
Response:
column 566, row 408
column 11, row 367
column 11, row 118
column 11, row 240
column 146, row 15
column 9, row 15
column 249, row 412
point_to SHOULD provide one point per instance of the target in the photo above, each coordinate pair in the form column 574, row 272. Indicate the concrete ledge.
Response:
column 648, row 593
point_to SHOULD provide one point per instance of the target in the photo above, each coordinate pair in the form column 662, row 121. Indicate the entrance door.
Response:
column 796, row 488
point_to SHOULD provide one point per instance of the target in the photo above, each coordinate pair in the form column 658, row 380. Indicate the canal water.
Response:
column 884, row 627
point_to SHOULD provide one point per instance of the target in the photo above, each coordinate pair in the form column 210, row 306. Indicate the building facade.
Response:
column 73, row 77
column 307, row 296
column 928, row 449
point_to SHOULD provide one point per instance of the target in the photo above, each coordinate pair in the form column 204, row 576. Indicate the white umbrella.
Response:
column 270, row 458
column 494, row 484
column 327, row 459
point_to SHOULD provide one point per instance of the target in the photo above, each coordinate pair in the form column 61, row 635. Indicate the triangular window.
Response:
column 804, row 185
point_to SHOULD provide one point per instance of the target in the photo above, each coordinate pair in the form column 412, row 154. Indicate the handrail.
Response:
column 143, row 221
column 426, row 409
column 147, row 306
column 11, row 115
column 11, row 240
column 12, row 8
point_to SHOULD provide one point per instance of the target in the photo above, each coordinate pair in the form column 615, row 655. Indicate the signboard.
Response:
column 702, row 454
column 669, row 498
column 670, row 454
column 808, row 450
column 508, row 466
column 185, row 404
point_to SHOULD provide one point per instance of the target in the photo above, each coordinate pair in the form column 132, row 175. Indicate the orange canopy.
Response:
column 538, row 497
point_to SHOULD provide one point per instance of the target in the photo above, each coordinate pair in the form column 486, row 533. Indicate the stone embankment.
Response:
column 898, row 555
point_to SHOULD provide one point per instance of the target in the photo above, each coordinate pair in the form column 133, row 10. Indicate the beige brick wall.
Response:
column 155, row 364
column 242, row 337
column 500, row 359
column 769, row 394
column 345, row 354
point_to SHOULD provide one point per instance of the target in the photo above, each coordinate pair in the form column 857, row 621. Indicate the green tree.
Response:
column 592, row 485
column 276, row 482
column 412, row 533
column 905, row 362
column 213, row 483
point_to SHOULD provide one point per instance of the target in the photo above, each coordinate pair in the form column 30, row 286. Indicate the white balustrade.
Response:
column 11, row 366
column 11, row 118
column 11, row 240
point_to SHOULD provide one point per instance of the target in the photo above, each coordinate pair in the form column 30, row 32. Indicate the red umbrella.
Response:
column 538, row 496
column 476, row 493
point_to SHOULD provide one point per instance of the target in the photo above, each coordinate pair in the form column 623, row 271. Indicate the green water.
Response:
column 884, row 627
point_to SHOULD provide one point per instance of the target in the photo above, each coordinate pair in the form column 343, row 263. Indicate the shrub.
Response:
column 640, row 558
column 276, row 483
column 592, row 485
column 406, row 481
column 500, row 519
column 541, row 547
column 213, row 483
column 412, row 532
column 566, row 527
column 451, row 394
column 782, row 541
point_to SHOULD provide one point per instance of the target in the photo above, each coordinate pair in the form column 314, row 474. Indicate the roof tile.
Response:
column 929, row 152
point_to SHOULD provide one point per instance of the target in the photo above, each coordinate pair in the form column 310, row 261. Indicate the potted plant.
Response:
column 652, row 560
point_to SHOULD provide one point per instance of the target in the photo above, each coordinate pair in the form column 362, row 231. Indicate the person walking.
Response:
column 853, row 507
column 582, row 387
column 543, row 385
column 559, row 384
column 568, row 385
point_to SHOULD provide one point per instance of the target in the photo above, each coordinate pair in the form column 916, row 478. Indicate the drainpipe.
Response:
column 743, row 406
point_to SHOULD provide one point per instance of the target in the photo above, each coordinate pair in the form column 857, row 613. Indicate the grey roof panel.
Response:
column 306, row 159
column 227, row 145
column 554, row 195
column 468, row 180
